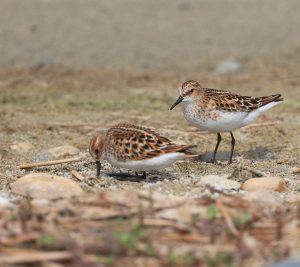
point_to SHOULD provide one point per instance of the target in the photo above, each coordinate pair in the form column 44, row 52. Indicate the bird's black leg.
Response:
column 232, row 148
column 98, row 168
column 219, row 138
column 143, row 175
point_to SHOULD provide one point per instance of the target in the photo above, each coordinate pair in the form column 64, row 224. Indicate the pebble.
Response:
column 45, row 185
column 296, row 170
column 293, row 198
column 220, row 183
column 4, row 201
column 57, row 153
column 63, row 151
column 228, row 66
column 22, row 147
column 269, row 183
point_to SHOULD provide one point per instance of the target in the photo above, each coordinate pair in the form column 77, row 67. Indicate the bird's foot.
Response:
column 142, row 176
column 119, row 174
column 212, row 161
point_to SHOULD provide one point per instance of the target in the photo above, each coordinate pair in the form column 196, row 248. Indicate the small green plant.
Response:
column 129, row 240
column 106, row 260
column 219, row 259
column 211, row 212
column 243, row 221
column 46, row 240
column 148, row 249
column 14, row 99
column 186, row 260
column 196, row 218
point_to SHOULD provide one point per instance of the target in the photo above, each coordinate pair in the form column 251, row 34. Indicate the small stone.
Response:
column 228, row 66
column 296, row 170
column 270, row 183
column 22, row 147
column 293, row 198
column 282, row 161
column 4, row 201
column 220, row 183
column 63, row 151
column 45, row 185
column 56, row 153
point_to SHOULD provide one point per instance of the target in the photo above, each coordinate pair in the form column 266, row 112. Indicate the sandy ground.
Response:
column 59, row 105
column 72, row 68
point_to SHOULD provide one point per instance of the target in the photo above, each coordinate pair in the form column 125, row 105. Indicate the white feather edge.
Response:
column 159, row 162
column 252, row 116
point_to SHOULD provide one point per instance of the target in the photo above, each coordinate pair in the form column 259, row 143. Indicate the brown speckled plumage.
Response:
column 226, row 101
column 219, row 111
column 127, row 142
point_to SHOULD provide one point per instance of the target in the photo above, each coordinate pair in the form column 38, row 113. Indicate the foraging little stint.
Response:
column 221, row 111
column 136, row 148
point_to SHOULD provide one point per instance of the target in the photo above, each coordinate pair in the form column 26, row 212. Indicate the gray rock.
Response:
column 22, row 147
column 265, row 183
column 4, row 201
column 220, row 183
column 63, row 151
column 57, row 153
column 228, row 66
column 45, row 185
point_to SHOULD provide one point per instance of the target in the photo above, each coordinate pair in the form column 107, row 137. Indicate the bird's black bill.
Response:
column 98, row 167
column 180, row 98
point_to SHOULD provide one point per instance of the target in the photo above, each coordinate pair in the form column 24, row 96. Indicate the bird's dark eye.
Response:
column 96, row 151
column 192, row 90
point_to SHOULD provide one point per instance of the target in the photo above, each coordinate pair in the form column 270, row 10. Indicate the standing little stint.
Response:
column 136, row 148
column 221, row 111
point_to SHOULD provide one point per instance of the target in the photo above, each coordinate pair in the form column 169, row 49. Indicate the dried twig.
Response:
column 77, row 175
column 164, row 223
column 226, row 216
column 189, row 238
column 262, row 124
column 77, row 125
column 19, row 239
column 48, row 163
column 15, row 256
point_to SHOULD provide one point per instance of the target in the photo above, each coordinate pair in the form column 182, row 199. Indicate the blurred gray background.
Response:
column 144, row 33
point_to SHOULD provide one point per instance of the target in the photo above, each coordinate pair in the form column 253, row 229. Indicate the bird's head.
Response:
column 96, row 149
column 189, row 91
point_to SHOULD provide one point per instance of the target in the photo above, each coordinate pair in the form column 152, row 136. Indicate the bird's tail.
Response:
column 187, row 150
column 269, row 99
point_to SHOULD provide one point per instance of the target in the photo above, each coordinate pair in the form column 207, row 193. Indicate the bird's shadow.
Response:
column 151, row 177
column 262, row 153
column 207, row 157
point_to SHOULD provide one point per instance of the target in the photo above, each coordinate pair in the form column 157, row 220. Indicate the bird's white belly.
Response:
column 224, row 121
column 159, row 162
column 221, row 121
